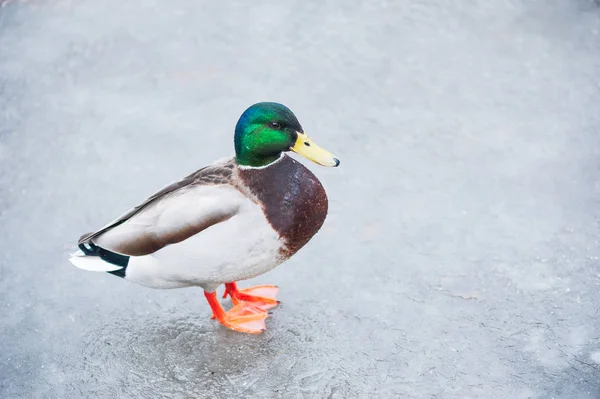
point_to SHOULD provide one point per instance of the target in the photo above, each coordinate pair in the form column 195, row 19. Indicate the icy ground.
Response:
column 461, row 255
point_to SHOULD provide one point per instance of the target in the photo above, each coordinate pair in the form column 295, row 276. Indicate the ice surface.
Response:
column 461, row 255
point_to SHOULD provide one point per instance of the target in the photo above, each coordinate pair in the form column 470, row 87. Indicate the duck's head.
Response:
column 265, row 130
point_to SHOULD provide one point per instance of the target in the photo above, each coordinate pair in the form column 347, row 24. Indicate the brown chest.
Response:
column 293, row 200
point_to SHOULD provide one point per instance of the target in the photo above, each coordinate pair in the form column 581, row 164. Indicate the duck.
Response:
column 230, row 221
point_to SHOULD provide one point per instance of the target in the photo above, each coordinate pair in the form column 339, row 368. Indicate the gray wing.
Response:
column 173, row 214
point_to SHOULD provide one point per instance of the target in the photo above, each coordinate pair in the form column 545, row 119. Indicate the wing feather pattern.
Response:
column 175, row 213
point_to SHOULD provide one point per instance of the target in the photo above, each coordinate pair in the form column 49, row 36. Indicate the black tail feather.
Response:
column 91, row 249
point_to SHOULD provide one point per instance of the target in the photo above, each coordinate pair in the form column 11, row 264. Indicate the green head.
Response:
column 265, row 130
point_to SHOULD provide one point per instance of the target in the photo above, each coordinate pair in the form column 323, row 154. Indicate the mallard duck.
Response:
column 232, row 220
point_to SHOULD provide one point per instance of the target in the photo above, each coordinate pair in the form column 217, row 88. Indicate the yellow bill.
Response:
column 309, row 150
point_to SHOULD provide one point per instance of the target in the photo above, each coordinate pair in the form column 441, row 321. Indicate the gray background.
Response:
column 460, row 258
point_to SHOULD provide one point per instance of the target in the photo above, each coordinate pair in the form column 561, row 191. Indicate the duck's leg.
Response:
column 261, row 296
column 243, row 317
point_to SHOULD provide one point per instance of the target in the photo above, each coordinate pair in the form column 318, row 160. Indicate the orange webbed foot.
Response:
column 243, row 317
column 261, row 296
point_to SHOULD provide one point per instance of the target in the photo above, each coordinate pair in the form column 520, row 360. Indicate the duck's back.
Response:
column 292, row 198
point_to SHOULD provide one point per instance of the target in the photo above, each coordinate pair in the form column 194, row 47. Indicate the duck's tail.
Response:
column 91, row 263
column 93, row 258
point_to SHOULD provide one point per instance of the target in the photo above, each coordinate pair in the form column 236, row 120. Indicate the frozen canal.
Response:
column 461, row 256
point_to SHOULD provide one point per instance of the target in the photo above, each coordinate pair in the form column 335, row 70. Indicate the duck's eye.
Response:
column 275, row 125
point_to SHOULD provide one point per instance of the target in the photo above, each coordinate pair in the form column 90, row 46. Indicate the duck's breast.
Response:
column 293, row 200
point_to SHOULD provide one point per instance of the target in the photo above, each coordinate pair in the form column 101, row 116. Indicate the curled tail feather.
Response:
column 94, row 258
